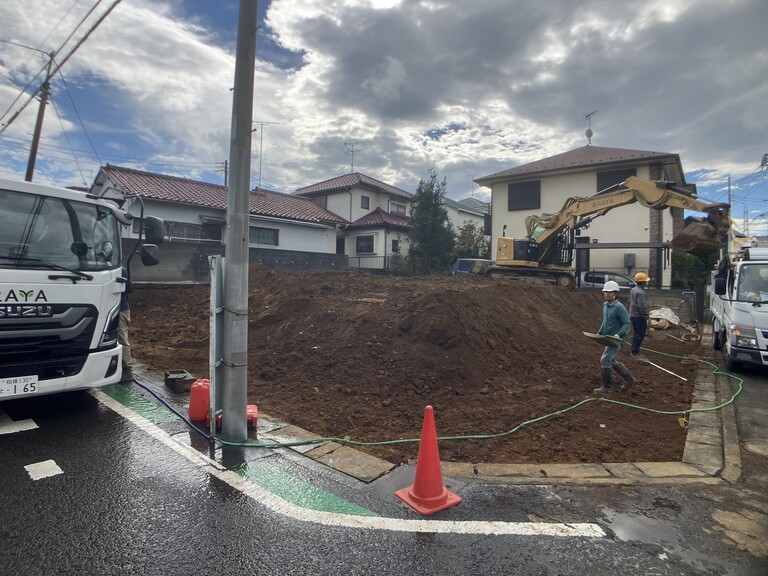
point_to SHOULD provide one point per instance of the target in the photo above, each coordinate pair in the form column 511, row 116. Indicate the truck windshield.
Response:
column 69, row 233
column 753, row 282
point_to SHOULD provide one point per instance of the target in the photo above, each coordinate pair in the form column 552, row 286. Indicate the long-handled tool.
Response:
column 644, row 359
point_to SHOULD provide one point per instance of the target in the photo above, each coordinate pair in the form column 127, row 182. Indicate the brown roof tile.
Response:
column 584, row 157
column 348, row 181
column 379, row 218
column 185, row 191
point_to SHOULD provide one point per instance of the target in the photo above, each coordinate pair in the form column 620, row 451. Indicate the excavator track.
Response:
column 533, row 276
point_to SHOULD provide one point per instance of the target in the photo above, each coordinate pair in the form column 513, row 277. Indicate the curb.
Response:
column 711, row 454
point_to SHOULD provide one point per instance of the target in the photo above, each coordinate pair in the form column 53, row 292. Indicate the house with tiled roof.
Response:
column 377, row 213
column 195, row 212
column 544, row 186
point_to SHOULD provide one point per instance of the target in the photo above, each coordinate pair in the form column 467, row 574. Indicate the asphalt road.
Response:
column 92, row 488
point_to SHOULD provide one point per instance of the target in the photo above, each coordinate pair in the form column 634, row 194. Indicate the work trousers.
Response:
column 639, row 327
column 122, row 335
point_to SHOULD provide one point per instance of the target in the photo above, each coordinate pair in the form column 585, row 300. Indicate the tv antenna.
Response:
column 589, row 132
column 261, row 141
column 350, row 151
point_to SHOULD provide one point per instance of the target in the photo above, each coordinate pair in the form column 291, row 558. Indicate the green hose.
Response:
column 516, row 428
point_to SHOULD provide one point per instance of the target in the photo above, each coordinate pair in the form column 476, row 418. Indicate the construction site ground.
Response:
column 359, row 356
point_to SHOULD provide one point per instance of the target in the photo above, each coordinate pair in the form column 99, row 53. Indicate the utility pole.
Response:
column 234, row 396
column 45, row 91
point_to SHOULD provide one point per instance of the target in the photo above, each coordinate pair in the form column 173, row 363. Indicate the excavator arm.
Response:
column 700, row 237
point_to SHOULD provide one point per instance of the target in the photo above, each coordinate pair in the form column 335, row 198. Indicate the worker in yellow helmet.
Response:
column 638, row 312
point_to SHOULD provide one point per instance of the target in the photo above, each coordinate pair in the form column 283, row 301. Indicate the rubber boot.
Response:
column 626, row 375
column 607, row 381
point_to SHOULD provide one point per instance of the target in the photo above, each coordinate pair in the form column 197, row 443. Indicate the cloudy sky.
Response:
column 396, row 87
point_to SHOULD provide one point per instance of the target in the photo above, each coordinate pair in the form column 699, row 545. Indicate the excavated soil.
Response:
column 360, row 356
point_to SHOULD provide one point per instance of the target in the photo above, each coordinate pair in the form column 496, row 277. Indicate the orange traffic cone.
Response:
column 427, row 494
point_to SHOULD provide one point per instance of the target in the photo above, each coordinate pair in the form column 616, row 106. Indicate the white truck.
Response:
column 61, row 281
column 739, row 306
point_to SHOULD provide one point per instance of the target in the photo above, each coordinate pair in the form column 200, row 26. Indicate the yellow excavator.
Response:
column 546, row 253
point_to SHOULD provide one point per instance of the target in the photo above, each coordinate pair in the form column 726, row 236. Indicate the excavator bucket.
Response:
column 703, row 235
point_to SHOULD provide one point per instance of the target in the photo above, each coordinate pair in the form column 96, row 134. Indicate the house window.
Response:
column 263, row 236
column 364, row 244
column 174, row 229
column 365, row 202
column 398, row 209
column 395, row 246
column 608, row 179
column 524, row 196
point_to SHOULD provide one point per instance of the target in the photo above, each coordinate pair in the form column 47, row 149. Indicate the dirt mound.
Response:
column 349, row 354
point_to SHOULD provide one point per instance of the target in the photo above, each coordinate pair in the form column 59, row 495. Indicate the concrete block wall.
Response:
column 187, row 262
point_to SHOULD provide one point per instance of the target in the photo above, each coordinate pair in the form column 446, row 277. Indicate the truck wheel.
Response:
column 730, row 364
column 717, row 338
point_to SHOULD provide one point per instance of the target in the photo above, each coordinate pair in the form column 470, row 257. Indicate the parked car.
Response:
column 598, row 278
column 462, row 266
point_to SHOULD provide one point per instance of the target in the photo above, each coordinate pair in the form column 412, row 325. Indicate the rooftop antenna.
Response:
column 261, row 142
column 350, row 146
column 471, row 186
column 589, row 132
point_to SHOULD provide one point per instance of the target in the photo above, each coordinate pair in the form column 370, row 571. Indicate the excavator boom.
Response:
column 548, row 247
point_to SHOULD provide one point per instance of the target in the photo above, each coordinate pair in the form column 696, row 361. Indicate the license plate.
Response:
column 18, row 385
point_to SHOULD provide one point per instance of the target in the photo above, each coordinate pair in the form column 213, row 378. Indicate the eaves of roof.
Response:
column 580, row 159
column 160, row 187
column 379, row 218
column 347, row 182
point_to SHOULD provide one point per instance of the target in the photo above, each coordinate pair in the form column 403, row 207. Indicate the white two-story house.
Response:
column 378, row 216
column 545, row 186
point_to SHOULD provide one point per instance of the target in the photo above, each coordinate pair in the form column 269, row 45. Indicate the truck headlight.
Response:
column 743, row 337
column 109, row 336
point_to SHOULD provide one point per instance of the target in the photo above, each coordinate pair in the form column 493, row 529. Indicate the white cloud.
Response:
column 415, row 84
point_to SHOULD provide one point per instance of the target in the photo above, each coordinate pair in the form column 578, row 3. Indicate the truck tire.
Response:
column 730, row 364
column 717, row 337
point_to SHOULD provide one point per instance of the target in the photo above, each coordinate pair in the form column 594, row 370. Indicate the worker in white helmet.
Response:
column 615, row 323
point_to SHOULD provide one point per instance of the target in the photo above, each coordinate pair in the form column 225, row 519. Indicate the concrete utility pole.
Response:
column 45, row 90
column 234, row 425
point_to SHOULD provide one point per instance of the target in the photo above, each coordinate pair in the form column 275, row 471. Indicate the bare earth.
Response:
column 348, row 354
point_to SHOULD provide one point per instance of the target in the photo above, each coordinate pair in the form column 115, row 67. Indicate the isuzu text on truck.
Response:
column 739, row 306
column 61, row 279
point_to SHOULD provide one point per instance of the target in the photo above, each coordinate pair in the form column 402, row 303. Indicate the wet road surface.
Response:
column 91, row 490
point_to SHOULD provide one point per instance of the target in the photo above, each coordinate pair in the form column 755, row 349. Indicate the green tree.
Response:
column 431, row 236
column 471, row 242
column 691, row 270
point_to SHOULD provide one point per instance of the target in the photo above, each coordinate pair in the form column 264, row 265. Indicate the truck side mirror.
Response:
column 719, row 284
column 150, row 255
column 154, row 229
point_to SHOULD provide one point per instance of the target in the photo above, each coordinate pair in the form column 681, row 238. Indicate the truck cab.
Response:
column 61, row 279
column 739, row 306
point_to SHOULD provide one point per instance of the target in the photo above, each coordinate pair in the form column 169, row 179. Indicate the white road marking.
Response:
column 42, row 470
column 8, row 426
column 280, row 506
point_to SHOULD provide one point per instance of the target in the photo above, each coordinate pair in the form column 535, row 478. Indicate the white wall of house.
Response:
column 624, row 224
column 459, row 218
column 301, row 236
column 305, row 237
column 349, row 204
